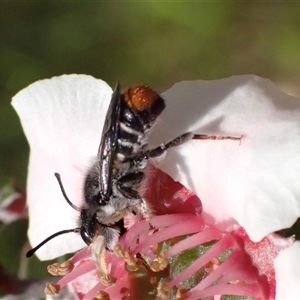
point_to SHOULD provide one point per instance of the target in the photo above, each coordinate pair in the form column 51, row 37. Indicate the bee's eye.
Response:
column 88, row 226
column 86, row 236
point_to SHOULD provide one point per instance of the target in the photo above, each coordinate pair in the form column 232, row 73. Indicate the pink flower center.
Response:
column 178, row 255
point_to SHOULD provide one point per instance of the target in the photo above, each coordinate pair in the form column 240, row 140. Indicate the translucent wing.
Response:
column 108, row 145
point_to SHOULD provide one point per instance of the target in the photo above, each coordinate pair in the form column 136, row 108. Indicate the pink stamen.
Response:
column 129, row 238
column 227, row 266
column 115, row 290
column 80, row 255
column 182, row 228
column 149, row 253
column 171, row 219
column 92, row 292
column 241, row 274
column 83, row 268
column 194, row 240
column 214, row 251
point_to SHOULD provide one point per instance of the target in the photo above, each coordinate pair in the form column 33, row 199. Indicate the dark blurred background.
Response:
column 158, row 43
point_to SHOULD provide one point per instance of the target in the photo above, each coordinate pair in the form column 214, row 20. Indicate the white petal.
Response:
column 62, row 119
column 288, row 273
column 255, row 183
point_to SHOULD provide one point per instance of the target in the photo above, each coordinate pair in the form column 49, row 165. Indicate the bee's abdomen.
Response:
column 140, row 107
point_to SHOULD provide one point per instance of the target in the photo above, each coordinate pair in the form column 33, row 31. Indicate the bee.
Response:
column 113, row 183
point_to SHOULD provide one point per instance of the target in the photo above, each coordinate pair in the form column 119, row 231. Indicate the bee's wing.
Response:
column 108, row 145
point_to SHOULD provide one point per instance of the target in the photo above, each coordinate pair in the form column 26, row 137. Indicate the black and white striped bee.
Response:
column 112, row 186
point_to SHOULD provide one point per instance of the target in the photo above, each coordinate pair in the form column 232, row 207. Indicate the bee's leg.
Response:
column 128, row 186
column 184, row 138
column 216, row 137
column 145, row 209
column 163, row 147
column 98, row 251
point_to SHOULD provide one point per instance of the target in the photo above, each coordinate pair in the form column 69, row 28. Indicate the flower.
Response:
column 253, row 184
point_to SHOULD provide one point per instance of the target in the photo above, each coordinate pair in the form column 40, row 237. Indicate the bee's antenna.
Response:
column 33, row 250
column 57, row 175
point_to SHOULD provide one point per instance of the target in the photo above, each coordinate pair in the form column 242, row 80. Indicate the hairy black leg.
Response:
column 128, row 184
column 163, row 147
column 216, row 137
column 184, row 138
